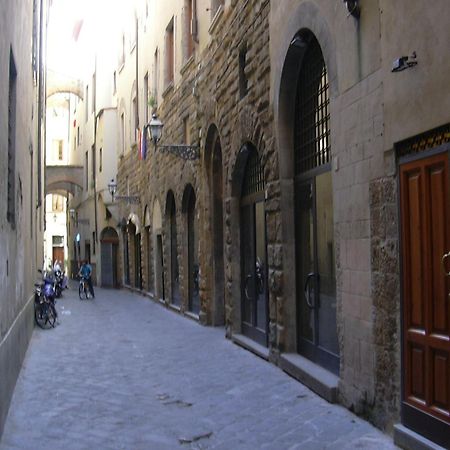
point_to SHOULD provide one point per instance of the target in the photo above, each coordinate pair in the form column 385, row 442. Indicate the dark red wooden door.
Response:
column 425, row 214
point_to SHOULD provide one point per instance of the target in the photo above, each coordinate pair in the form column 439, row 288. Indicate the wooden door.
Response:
column 425, row 216
column 58, row 255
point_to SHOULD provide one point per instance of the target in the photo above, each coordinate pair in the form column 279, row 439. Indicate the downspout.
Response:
column 95, row 157
column 194, row 23
column 41, row 105
column 137, row 71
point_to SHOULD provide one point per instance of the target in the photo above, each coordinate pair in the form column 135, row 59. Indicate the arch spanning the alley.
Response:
column 62, row 179
column 58, row 83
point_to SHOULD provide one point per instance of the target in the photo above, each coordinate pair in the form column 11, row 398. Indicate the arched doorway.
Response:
column 148, row 253
column 109, row 244
column 158, row 251
column 189, row 209
column 126, row 254
column 171, row 215
column 254, row 292
column 313, row 205
column 137, row 261
column 215, row 175
column 217, row 214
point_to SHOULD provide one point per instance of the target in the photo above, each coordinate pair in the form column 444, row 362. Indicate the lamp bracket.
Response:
column 188, row 152
column 132, row 199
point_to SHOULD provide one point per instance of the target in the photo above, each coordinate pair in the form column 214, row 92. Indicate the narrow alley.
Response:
column 123, row 372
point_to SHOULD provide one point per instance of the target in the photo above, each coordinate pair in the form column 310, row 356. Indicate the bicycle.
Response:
column 44, row 309
column 83, row 289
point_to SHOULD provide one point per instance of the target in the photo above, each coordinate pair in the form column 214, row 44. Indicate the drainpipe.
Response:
column 137, row 70
column 41, row 105
column 95, row 157
column 194, row 24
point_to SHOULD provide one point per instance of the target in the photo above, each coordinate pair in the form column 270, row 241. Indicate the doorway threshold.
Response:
column 316, row 378
column 251, row 345
column 409, row 440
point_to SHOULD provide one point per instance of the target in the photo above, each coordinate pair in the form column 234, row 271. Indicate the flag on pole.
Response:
column 144, row 143
column 139, row 143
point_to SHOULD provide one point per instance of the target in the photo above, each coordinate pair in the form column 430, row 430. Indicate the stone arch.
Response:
column 212, row 137
column 249, row 131
column 172, row 248
column 214, row 270
column 147, row 216
column 156, row 215
column 109, row 234
column 58, row 83
column 134, row 219
column 305, row 21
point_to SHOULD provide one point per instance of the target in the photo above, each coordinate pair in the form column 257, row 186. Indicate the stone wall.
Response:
column 386, row 301
column 21, row 234
column 209, row 95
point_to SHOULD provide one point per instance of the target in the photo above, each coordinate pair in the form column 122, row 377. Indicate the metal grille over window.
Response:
column 430, row 139
column 312, row 115
column 254, row 175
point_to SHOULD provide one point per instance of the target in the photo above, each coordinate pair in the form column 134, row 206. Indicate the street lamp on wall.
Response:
column 190, row 152
column 74, row 216
column 112, row 188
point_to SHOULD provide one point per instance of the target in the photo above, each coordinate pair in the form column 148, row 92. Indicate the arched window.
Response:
column 312, row 113
column 314, row 225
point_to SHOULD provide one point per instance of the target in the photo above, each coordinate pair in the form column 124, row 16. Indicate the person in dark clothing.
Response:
column 86, row 273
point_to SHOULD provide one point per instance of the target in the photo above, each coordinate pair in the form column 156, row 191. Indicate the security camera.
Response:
column 400, row 64
column 404, row 62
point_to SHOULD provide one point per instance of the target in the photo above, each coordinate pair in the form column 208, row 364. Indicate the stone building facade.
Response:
column 22, row 138
column 304, row 225
column 389, row 169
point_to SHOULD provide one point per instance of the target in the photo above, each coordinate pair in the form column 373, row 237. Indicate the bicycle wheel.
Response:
column 40, row 315
column 82, row 291
column 51, row 315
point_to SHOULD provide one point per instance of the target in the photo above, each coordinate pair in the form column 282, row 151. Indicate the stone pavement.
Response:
column 123, row 372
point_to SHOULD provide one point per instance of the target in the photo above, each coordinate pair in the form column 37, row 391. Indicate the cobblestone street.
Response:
column 122, row 372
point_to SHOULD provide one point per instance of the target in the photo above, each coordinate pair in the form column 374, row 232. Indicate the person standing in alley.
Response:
column 86, row 273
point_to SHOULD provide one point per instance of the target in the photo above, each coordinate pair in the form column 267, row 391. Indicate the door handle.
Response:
column 247, row 279
column 307, row 290
column 446, row 255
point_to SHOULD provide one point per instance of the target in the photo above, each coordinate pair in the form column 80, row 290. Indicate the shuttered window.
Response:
column 10, row 211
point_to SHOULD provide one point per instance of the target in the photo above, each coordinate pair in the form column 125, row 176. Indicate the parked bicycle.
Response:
column 45, row 313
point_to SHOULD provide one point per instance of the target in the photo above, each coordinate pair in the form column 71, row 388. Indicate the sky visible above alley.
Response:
column 94, row 18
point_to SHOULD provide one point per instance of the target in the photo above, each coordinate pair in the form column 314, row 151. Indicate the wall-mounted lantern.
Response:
column 112, row 188
column 190, row 152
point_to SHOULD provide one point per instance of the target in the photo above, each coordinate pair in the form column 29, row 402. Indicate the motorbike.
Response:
column 60, row 282
column 44, row 301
